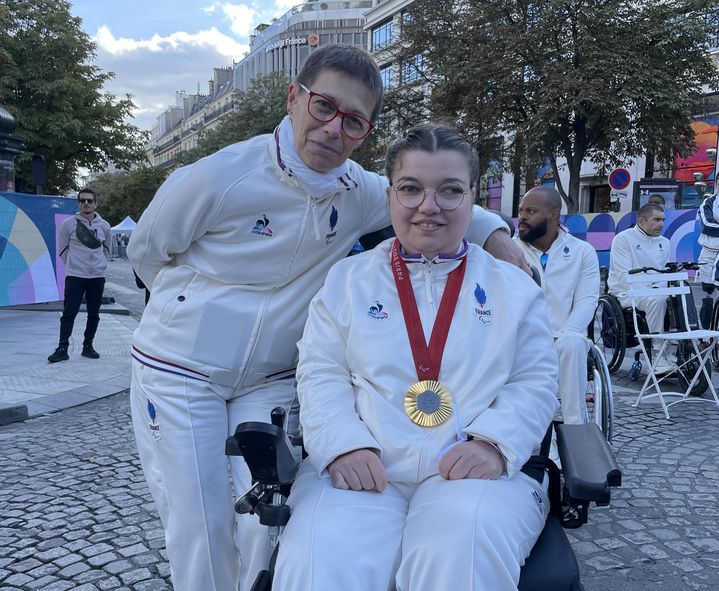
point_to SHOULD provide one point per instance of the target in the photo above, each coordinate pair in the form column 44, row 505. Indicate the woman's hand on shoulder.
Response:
column 472, row 459
column 360, row 469
column 502, row 247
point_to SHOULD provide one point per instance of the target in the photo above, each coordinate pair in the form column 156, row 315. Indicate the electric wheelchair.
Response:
column 613, row 330
column 589, row 470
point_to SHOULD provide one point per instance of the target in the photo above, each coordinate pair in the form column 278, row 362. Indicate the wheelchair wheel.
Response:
column 688, row 367
column 600, row 403
column 608, row 331
column 715, row 326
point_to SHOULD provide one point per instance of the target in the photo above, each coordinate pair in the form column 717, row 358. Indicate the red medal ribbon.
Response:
column 427, row 360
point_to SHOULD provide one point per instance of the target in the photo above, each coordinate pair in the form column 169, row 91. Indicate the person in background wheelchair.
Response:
column 413, row 473
column 642, row 246
column 570, row 280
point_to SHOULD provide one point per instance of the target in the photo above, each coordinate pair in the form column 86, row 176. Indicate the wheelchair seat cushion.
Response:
column 551, row 565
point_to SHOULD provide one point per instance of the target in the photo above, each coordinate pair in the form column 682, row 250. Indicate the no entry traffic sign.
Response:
column 619, row 179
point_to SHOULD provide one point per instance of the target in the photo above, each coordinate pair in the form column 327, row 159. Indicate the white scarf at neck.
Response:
column 317, row 184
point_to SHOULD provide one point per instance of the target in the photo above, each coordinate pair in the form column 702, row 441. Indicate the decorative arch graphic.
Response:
column 29, row 269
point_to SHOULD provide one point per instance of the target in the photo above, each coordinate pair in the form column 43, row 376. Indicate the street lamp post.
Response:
column 9, row 148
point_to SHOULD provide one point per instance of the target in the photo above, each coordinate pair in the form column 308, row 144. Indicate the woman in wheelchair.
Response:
column 413, row 479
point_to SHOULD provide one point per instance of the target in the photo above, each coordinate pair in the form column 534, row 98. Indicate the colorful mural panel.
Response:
column 705, row 135
column 30, row 270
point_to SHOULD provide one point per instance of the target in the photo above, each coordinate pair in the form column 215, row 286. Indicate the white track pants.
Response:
column 708, row 262
column 572, row 350
column 654, row 308
column 445, row 535
column 182, row 452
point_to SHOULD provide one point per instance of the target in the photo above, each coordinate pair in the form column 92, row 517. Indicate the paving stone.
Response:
column 67, row 559
column 152, row 585
column 42, row 582
column 100, row 559
column 59, row 586
column 73, row 569
column 118, row 566
column 134, row 576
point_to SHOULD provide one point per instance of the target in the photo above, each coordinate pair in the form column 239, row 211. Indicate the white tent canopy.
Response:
column 126, row 226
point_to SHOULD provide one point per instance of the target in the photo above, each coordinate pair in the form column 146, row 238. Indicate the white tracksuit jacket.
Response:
column 570, row 281
column 571, row 287
column 233, row 249
column 356, row 364
column 632, row 249
column 708, row 216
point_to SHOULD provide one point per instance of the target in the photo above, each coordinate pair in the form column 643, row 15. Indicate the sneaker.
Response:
column 60, row 354
column 88, row 351
column 664, row 366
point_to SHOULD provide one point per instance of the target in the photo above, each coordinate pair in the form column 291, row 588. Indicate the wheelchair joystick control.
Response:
column 277, row 416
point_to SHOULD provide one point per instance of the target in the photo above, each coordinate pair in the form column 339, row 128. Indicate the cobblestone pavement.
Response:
column 75, row 512
column 661, row 530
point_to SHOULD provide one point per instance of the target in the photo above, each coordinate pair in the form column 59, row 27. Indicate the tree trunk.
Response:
column 649, row 165
column 572, row 200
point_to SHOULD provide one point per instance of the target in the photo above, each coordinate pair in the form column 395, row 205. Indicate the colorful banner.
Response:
column 30, row 268
column 599, row 229
column 705, row 136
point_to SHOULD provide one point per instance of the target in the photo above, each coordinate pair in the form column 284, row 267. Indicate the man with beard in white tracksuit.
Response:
column 419, row 486
column 232, row 249
column 569, row 274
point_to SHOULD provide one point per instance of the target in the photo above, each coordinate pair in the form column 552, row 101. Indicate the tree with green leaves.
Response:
column 127, row 192
column 566, row 80
column 50, row 85
column 258, row 111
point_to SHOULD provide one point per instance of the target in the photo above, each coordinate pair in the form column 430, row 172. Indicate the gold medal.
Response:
column 428, row 403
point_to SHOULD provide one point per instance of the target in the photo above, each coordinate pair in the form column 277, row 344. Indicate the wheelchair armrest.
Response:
column 267, row 450
column 588, row 463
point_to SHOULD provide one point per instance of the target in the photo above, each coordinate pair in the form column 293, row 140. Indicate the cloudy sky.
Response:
column 156, row 47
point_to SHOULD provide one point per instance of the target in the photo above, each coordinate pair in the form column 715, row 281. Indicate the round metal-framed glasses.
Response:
column 447, row 196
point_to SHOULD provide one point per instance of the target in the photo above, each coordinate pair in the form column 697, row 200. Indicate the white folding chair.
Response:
column 640, row 285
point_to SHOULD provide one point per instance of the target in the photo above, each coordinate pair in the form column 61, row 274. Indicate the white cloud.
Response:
column 242, row 18
column 209, row 38
column 211, row 9
column 152, row 70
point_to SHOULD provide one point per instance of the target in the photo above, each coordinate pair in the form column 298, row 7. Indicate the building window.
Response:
column 382, row 35
column 385, row 73
column 412, row 69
